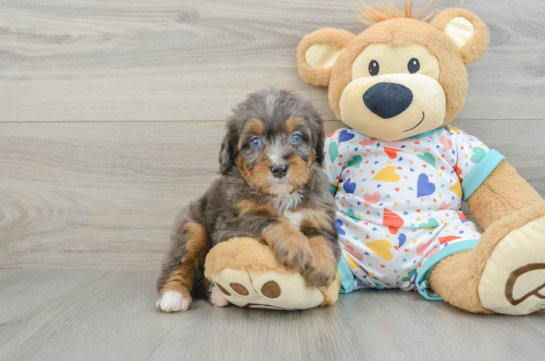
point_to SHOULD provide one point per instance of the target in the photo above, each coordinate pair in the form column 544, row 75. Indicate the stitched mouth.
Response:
column 420, row 122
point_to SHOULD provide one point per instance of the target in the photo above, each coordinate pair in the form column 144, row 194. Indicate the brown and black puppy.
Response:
column 272, row 188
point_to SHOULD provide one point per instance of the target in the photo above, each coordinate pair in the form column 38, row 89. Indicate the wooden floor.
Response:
column 111, row 116
column 109, row 315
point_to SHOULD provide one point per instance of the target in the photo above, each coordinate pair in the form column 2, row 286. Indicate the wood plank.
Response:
column 110, row 315
column 189, row 60
column 103, row 195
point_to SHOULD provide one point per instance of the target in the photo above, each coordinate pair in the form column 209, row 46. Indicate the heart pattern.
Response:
column 387, row 175
column 447, row 143
column 424, row 186
column 371, row 199
column 381, row 248
column 369, row 141
column 399, row 202
column 354, row 162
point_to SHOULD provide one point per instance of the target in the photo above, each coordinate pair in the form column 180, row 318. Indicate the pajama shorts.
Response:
column 393, row 258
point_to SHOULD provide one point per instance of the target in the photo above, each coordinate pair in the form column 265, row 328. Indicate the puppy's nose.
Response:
column 388, row 99
column 279, row 170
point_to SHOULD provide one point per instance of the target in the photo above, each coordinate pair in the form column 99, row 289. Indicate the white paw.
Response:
column 172, row 301
column 217, row 298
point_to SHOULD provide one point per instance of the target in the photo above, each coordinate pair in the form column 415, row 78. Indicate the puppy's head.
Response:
column 273, row 138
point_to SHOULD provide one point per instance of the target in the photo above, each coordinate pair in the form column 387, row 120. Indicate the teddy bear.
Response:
column 399, row 173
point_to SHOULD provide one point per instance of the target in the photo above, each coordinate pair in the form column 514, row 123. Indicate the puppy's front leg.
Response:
column 323, row 270
column 291, row 247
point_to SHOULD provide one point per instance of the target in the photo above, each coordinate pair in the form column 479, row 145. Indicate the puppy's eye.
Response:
column 374, row 67
column 413, row 66
column 296, row 138
column 255, row 143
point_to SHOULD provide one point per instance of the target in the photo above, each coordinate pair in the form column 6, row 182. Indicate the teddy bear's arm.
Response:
column 501, row 194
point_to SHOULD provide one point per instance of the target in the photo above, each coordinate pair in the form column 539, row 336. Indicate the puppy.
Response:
column 272, row 188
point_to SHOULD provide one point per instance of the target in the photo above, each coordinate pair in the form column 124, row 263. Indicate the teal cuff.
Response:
column 481, row 171
column 347, row 277
column 332, row 189
column 422, row 277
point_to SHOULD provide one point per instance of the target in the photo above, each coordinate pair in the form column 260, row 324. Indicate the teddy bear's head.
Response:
column 400, row 77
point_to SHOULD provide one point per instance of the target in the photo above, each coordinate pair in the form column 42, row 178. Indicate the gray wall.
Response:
column 111, row 114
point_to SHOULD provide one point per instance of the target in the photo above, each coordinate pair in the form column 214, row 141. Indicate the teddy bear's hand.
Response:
column 323, row 269
column 291, row 248
column 247, row 273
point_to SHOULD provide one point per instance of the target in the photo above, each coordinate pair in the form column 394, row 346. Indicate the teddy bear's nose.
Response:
column 388, row 99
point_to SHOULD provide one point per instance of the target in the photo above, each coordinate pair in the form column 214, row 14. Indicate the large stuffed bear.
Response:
column 399, row 173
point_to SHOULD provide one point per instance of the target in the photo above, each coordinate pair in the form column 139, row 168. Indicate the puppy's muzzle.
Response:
column 279, row 170
column 388, row 99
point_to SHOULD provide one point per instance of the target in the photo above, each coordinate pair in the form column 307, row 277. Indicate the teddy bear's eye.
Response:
column 373, row 67
column 413, row 66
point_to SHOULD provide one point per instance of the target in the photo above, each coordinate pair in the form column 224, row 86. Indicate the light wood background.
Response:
column 111, row 112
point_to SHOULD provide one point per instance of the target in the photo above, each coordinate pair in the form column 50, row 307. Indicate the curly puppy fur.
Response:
column 293, row 212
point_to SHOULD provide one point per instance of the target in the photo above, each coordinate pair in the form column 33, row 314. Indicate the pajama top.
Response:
column 399, row 203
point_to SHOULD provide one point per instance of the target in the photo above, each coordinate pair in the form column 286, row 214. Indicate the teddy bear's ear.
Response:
column 467, row 31
column 317, row 53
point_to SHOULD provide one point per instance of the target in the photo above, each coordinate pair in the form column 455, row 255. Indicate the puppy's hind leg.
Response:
column 183, row 265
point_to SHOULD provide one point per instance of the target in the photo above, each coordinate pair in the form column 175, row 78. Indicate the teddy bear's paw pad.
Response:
column 267, row 289
column 513, row 281
column 217, row 297
column 172, row 301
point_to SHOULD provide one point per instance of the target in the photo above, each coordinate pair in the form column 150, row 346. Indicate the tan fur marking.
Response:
column 323, row 269
column 293, row 122
column 315, row 218
column 259, row 177
column 290, row 246
column 299, row 171
column 181, row 280
column 255, row 125
column 247, row 206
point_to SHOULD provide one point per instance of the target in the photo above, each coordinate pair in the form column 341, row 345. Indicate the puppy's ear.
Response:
column 466, row 30
column 319, row 133
column 228, row 150
column 317, row 53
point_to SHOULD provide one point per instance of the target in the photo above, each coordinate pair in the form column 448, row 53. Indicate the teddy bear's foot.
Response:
column 248, row 275
column 513, row 280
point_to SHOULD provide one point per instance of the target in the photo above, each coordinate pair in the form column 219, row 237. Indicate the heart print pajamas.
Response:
column 399, row 203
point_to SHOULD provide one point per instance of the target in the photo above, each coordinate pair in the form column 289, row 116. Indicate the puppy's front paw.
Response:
column 323, row 270
column 295, row 254
column 320, row 274
column 173, row 301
